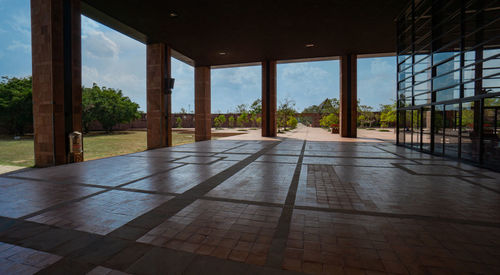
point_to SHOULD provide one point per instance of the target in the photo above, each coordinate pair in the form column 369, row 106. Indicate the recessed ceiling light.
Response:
column 310, row 45
column 173, row 14
column 222, row 53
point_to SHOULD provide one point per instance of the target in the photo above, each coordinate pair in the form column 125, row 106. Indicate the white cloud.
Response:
column 376, row 81
column 89, row 25
column 19, row 45
column 234, row 86
column 303, row 71
column 21, row 22
column 113, row 60
column 98, row 45
column 308, row 83
column 183, row 92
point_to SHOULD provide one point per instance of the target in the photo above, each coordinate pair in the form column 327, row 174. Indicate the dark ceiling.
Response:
column 255, row 30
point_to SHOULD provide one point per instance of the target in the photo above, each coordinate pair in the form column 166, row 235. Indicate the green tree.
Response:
column 108, row 106
column 292, row 122
column 242, row 108
column 258, row 120
column 387, row 115
column 16, row 108
column 242, row 120
column 328, row 120
column 285, row 111
column 219, row 121
column 231, row 121
column 366, row 117
column 256, row 107
column 329, row 105
column 253, row 119
column 178, row 122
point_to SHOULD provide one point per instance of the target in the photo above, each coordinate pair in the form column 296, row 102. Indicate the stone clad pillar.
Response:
column 202, row 112
column 269, row 98
column 57, row 78
column 159, row 107
column 348, row 96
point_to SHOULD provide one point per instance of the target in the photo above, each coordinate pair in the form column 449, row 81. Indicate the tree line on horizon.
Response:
column 108, row 106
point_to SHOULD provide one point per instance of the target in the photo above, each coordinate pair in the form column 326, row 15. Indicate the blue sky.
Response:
column 113, row 60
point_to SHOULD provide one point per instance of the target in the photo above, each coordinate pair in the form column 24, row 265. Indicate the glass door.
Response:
column 491, row 132
column 438, row 129
column 451, row 130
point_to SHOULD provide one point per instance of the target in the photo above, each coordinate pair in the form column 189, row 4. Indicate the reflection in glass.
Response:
column 451, row 130
column 416, row 129
column 456, row 61
column 408, row 130
column 401, row 127
column 438, row 129
column 426, row 128
column 491, row 132
column 470, row 132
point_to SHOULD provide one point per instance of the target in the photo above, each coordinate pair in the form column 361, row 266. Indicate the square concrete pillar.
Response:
column 269, row 99
column 159, row 96
column 202, row 112
column 57, row 78
column 348, row 96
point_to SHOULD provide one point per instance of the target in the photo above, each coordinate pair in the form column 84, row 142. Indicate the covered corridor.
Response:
column 272, row 206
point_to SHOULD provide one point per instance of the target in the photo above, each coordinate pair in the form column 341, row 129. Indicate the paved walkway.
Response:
column 254, row 207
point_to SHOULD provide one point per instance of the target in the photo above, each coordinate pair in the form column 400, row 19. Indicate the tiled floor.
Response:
column 254, row 207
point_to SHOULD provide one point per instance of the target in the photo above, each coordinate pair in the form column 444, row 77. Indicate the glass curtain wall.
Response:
column 448, row 91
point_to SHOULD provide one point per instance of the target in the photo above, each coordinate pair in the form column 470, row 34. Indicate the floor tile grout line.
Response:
column 398, row 155
column 278, row 244
column 58, row 182
column 409, row 171
column 90, row 184
column 98, row 238
column 59, row 205
column 148, row 191
column 478, row 184
column 476, row 174
column 443, row 158
column 399, row 216
column 181, row 201
column 258, row 203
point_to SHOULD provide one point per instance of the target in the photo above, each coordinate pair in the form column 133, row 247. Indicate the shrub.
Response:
column 292, row 122
column 328, row 120
column 285, row 111
column 242, row 119
column 178, row 122
column 258, row 121
column 231, row 121
column 219, row 121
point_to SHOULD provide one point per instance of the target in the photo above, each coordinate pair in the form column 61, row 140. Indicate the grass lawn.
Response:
column 96, row 145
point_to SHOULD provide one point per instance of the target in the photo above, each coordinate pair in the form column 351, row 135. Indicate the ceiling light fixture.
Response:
column 173, row 14
column 222, row 53
column 310, row 45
